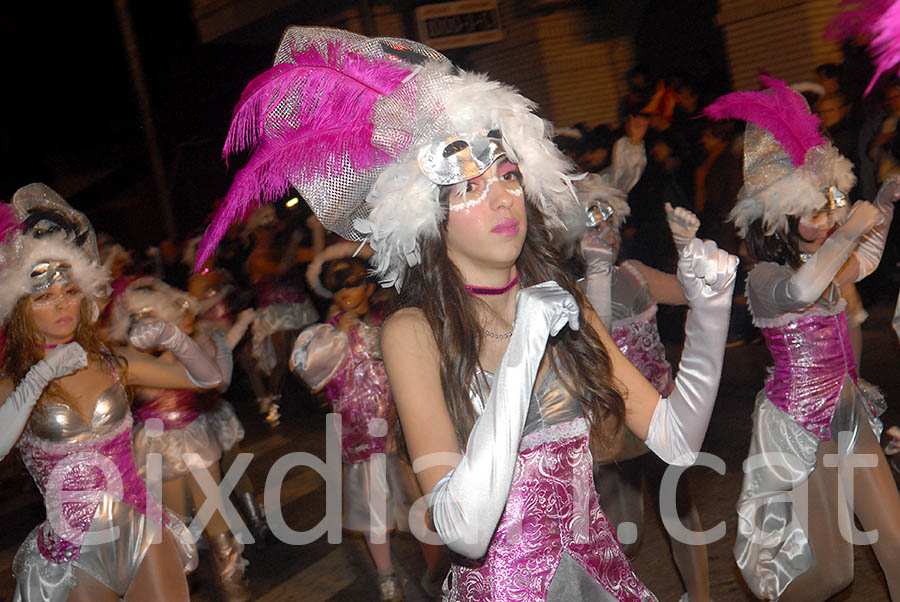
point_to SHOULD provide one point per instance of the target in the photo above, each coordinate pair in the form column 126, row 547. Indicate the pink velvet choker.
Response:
column 490, row 290
column 55, row 345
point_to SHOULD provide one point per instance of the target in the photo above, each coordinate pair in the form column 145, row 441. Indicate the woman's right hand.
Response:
column 547, row 303
column 64, row 360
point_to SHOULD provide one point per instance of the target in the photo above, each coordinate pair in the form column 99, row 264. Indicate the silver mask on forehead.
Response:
column 47, row 273
column 460, row 158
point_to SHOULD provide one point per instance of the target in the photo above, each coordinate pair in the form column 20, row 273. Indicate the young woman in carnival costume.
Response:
column 811, row 416
column 283, row 308
column 212, row 288
column 195, row 427
column 453, row 181
column 343, row 357
column 67, row 408
column 625, row 298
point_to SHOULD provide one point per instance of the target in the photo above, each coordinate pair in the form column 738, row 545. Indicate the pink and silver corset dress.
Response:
column 553, row 542
column 187, row 429
column 811, row 395
column 100, row 518
column 634, row 328
column 350, row 369
column 281, row 306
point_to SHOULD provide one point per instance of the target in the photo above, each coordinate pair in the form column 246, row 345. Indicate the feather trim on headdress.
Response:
column 354, row 156
column 24, row 252
column 780, row 128
column 877, row 20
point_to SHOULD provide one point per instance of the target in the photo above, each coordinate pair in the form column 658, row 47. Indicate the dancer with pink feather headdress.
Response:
column 813, row 414
column 500, row 371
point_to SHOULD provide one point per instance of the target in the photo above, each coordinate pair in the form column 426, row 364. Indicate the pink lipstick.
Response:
column 508, row 227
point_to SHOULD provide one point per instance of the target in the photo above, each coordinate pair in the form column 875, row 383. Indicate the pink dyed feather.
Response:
column 878, row 20
column 782, row 112
column 9, row 222
column 328, row 120
column 331, row 89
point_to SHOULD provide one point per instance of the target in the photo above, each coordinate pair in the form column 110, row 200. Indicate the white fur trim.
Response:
column 404, row 203
column 26, row 251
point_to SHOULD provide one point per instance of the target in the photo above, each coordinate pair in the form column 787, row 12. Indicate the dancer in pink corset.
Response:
column 343, row 358
column 813, row 416
column 67, row 409
column 500, row 371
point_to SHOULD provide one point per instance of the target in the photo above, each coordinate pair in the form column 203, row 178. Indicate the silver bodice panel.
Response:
column 550, row 404
column 60, row 422
column 630, row 295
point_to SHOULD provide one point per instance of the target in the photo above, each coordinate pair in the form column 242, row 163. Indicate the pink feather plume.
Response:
column 878, row 20
column 781, row 111
column 326, row 120
column 9, row 222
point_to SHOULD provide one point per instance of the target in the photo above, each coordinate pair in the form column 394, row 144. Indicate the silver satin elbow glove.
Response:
column 200, row 367
column 683, row 224
column 679, row 422
column 223, row 357
column 810, row 281
column 598, row 258
column 466, row 504
column 871, row 246
column 62, row 361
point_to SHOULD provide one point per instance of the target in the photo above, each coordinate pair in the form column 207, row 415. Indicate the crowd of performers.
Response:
column 510, row 368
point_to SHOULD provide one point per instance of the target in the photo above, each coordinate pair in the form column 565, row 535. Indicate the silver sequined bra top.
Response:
column 60, row 422
column 551, row 404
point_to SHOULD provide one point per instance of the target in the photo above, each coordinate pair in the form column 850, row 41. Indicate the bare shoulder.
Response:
column 406, row 326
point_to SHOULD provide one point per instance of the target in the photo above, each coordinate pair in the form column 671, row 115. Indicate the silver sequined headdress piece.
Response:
column 789, row 167
column 367, row 129
column 50, row 243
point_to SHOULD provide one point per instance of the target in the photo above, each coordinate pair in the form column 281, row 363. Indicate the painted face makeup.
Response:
column 503, row 173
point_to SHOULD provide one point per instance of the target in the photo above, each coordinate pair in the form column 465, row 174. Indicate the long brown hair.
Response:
column 436, row 287
column 24, row 345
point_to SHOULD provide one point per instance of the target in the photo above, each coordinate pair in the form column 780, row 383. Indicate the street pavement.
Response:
column 322, row 571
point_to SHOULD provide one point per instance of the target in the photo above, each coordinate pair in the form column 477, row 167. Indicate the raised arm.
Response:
column 773, row 292
column 867, row 255
column 467, row 498
column 19, row 401
column 196, row 370
column 674, row 427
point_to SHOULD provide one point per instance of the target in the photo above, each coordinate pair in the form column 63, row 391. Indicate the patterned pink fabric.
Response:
column 273, row 291
column 176, row 408
column 360, row 393
column 72, row 491
column 812, row 356
column 552, row 510
column 638, row 339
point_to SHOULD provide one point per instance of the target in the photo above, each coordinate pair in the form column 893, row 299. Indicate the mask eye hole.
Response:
column 455, row 147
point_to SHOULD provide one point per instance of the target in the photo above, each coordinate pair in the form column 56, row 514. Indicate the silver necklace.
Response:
column 494, row 335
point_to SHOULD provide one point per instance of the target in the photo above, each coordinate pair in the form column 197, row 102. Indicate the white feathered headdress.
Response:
column 367, row 129
column 33, row 259
column 789, row 166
